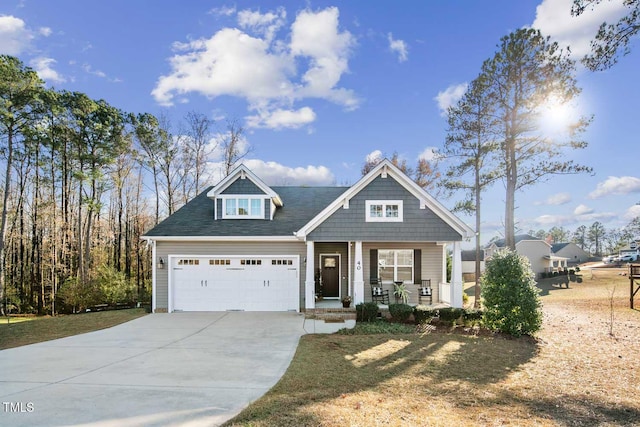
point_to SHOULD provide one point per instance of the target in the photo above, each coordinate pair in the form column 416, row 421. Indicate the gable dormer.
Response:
column 242, row 195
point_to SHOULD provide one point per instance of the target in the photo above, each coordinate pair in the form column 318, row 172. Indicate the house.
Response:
column 244, row 245
column 574, row 253
column 633, row 249
column 539, row 253
column 469, row 263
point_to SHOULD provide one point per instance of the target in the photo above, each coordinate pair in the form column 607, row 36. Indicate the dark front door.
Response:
column 330, row 276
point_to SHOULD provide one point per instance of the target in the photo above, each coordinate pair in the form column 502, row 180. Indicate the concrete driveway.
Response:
column 194, row 369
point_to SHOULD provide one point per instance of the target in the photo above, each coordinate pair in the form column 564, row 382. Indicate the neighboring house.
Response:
column 574, row 253
column 539, row 253
column 243, row 245
column 469, row 262
column 633, row 248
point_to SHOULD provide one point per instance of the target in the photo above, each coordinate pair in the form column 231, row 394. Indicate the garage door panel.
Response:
column 251, row 283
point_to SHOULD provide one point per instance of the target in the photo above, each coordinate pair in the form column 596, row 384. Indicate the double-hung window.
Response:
column 243, row 207
column 395, row 265
column 383, row 211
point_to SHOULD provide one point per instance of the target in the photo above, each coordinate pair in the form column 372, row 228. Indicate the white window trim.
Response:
column 260, row 214
column 384, row 203
column 396, row 265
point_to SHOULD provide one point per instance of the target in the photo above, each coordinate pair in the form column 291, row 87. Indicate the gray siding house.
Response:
column 243, row 245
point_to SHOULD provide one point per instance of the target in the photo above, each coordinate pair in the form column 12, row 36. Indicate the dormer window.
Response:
column 384, row 211
column 243, row 207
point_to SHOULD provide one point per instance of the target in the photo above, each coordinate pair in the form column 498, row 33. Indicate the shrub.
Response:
column 450, row 314
column 114, row 285
column 510, row 299
column 472, row 317
column 572, row 271
column 366, row 312
column 423, row 314
column 78, row 296
column 400, row 312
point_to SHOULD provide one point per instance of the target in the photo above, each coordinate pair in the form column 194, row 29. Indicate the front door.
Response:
column 330, row 275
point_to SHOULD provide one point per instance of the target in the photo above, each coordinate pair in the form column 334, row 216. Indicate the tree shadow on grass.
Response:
column 327, row 367
column 574, row 410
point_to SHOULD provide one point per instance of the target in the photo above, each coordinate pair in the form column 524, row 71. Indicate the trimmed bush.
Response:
column 366, row 312
column 472, row 317
column 423, row 314
column 450, row 314
column 400, row 312
column 510, row 298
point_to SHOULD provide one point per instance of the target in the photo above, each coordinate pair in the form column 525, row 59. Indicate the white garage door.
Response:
column 218, row 283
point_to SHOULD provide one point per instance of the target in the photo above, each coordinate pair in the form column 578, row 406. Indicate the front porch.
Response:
column 335, row 270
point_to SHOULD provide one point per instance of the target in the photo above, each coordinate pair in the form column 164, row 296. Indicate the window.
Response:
column 243, row 207
column 188, row 262
column 395, row 265
column 384, row 211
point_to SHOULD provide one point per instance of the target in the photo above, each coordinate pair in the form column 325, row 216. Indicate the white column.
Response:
column 358, row 275
column 310, row 283
column 154, row 266
column 456, row 276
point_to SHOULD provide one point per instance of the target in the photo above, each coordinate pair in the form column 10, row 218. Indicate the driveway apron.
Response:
column 195, row 369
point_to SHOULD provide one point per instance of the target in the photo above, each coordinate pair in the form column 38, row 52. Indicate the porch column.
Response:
column 358, row 277
column 310, row 283
column 456, row 276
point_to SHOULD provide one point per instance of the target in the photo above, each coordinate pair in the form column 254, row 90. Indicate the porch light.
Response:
column 160, row 264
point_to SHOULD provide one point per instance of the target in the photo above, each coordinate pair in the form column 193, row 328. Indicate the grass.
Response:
column 575, row 372
column 39, row 329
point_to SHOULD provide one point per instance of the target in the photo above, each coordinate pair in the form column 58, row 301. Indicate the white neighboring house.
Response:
column 469, row 261
column 633, row 249
column 574, row 253
column 539, row 253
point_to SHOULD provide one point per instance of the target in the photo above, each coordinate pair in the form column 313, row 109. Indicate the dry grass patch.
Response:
column 574, row 374
column 49, row 328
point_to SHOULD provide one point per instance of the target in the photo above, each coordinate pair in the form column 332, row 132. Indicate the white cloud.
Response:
column 264, row 24
column 399, row 47
column 268, row 73
column 276, row 174
column 616, row 185
column 563, row 220
column 582, row 210
column 450, row 96
column 374, row 156
column 45, row 31
column 556, row 199
column 553, row 18
column 88, row 69
column 429, row 154
column 44, row 67
column 222, row 11
column 632, row 213
column 280, row 119
column 14, row 35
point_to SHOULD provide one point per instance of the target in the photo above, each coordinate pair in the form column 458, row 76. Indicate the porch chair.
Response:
column 424, row 291
column 378, row 294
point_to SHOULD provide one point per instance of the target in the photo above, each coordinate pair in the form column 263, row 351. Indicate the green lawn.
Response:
column 37, row 329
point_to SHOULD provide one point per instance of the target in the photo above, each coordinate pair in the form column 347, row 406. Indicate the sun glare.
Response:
column 556, row 117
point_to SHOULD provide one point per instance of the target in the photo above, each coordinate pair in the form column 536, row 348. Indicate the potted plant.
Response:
column 401, row 292
column 346, row 302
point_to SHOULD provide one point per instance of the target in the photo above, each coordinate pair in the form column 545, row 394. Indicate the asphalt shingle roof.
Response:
column 519, row 237
column 300, row 205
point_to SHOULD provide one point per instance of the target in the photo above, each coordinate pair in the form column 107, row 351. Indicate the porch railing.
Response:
column 445, row 292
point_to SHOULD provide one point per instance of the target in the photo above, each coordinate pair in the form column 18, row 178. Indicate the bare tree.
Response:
column 233, row 146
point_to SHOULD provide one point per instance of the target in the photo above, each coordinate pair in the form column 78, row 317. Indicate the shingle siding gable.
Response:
column 242, row 187
column 417, row 225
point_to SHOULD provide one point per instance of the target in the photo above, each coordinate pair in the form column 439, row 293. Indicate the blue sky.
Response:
column 319, row 86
